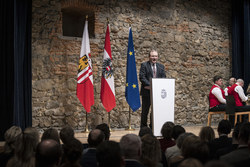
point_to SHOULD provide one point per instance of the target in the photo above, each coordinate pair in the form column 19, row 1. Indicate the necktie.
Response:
column 154, row 71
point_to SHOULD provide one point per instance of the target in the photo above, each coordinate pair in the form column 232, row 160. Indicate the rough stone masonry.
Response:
column 192, row 38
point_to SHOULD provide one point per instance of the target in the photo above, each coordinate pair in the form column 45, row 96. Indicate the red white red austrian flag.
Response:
column 107, row 83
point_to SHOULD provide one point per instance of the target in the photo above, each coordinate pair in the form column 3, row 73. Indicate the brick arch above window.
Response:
column 74, row 15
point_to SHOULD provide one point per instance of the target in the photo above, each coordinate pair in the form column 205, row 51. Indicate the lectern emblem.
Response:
column 163, row 94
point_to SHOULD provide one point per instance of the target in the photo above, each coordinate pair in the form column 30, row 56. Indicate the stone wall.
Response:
column 192, row 38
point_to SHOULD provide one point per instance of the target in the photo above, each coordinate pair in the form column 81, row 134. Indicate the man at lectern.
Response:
column 149, row 69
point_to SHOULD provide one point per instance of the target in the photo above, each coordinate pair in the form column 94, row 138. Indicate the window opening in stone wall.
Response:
column 73, row 21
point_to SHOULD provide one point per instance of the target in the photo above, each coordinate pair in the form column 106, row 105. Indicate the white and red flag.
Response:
column 85, row 88
column 107, row 83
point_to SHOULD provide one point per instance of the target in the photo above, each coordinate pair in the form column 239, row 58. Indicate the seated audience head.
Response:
column 181, row 138
column 25, row 147
column 51, row 133
column 72, row 152
column 105, row 129
column 207, row 134
column 95, row 137
column 191, row 162
column 66, row 134
column 145, row 130
column 224, row 127
column 232, row 81
column 166, row 130
column 151, row 151
column 131, row 146
column 48, row 153
column 244, row 134
column 177, row 130
column 10, row 137
column 218, row 80
column 193, row 147
column 108, row 154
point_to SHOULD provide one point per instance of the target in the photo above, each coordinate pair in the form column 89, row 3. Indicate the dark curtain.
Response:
column 15, row 64
column 6, row 65
column 241, row 40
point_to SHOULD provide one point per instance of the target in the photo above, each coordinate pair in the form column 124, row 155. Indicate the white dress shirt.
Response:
column 241, row 93
column 218, row 94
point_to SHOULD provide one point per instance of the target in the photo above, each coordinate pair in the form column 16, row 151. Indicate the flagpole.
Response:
column 129, row 121
column 109, row 121
column 86, row 126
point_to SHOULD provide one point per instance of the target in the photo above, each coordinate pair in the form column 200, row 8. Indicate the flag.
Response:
column 85, row 88
column 132, row 89
column 107, row 83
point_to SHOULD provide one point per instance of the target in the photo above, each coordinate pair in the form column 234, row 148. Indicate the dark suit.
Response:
column 145, row 75
column 89, row 158
column 132, row 163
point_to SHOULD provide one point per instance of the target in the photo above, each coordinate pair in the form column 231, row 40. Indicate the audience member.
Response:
column 173, row 154
column 231, row 82
column 48, row 153
column 242, row 152
column 191, row 162
column 10, row 137
column 25, row 148
column 72, row 153
column 145, row 130
column 177, row 130
column 175, row 150
column 105, row 129
column 207, row 134
column 130, row 145
column 244, row 163
column 217, row 99
column 51, row 133
column 235, row 142
column 193, row 147
column 66, row 134
column 166, row 132
column 237, row 91
column 224, row 129
column 108, row 154
column 151, row 151
column 95, row 138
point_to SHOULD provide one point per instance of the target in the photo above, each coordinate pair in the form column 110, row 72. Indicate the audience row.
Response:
column 176, row 148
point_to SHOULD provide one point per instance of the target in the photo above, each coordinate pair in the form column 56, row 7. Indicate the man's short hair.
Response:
column 130, row 145
column 145, row 130
column 66, row 134
column 105, row 128
column 167, row 129
column 224, row 127
column 95, row 137
column 48, row 153
column 152, row 50
column 240, row 80
column 108, row 154
column 177, row 130
column 217, row 77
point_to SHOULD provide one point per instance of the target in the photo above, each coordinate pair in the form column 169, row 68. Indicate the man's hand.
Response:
column 147, row 87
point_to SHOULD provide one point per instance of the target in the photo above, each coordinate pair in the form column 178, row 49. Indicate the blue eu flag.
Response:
column 132, row 89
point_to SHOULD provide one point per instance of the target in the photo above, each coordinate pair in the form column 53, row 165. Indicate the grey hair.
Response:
column 240, row 81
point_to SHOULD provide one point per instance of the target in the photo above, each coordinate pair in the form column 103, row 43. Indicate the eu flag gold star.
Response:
column 126, row 84
column 134, row 85
column 130, row 53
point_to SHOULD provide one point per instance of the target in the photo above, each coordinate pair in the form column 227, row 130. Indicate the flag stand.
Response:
column 109, row 122
column 129, row 121
column 86, row 126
